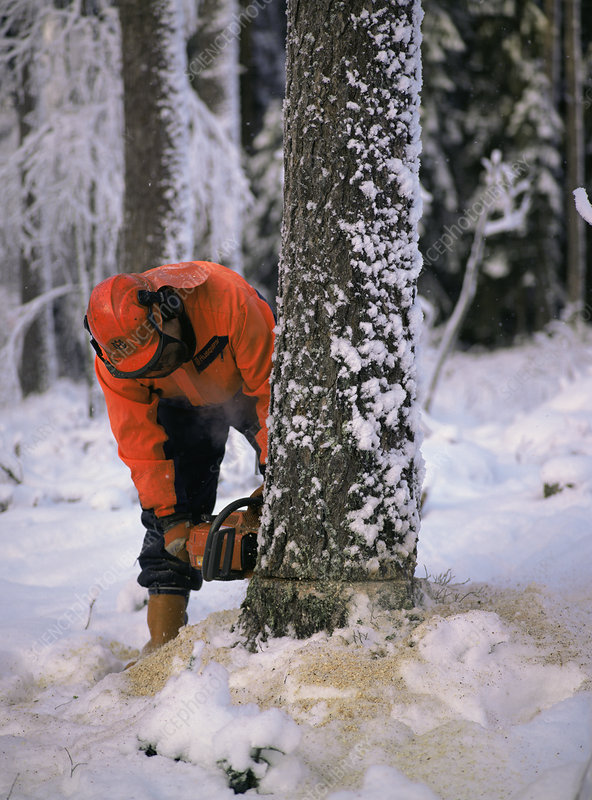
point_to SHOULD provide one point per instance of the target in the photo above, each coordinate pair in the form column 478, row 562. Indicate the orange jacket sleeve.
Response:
column 252, row 348
column 132, row 412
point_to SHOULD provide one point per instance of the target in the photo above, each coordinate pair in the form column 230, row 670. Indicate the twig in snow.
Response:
column 90, row 608
column 94, row 593
column 359, row 637
column 67, row 702
column 442, row 589
column 9, row 795
column 72, row 764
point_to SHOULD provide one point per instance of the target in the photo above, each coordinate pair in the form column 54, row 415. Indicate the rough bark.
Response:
column 156, row 225
column 343, row 483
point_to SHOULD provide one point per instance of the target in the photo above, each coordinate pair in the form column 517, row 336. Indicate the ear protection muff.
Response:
column 168, row 301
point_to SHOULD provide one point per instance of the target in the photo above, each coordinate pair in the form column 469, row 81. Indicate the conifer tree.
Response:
column 343, row 481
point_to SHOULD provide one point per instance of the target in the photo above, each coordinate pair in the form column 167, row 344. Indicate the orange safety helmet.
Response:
column 125, row 332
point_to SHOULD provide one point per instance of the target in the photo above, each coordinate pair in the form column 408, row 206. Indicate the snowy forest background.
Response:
column 483, row 688
column 507, row 83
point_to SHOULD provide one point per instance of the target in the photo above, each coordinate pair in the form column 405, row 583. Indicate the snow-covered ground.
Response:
column 482, row 691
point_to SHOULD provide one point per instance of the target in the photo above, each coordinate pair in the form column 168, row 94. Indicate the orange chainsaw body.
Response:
column 230, row 551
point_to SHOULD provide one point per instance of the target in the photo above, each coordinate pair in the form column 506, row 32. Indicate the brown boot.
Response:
column 166, row 614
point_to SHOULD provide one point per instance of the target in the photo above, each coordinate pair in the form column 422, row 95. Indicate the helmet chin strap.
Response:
column 171, row 307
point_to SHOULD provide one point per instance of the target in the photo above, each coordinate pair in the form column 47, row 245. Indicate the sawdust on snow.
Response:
column 347, row 684
column 354, row 673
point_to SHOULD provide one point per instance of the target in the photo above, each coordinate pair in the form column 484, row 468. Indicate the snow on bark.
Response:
column 344, row 473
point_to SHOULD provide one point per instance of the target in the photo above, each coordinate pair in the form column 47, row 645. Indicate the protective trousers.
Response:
column 196, row 442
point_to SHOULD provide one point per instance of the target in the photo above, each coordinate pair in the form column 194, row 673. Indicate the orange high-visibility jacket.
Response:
column 219, row 304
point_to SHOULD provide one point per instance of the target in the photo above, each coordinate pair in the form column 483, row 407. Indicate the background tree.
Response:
column 213, row 56
column 575, row 156
column 60, row 167
column 474, row 104
column 157, row 206
column 263, row 57
column 343, row 481
column 262, row 232
column 263, row 61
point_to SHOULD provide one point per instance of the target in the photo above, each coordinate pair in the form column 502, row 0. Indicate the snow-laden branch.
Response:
column 10, row 353
column 513, row 220
column 583, row 206
column 504, row 205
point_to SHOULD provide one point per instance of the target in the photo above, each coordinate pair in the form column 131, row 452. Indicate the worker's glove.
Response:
column 175, row 540
column 166, row 563
column 175, row 551
column 251, row 518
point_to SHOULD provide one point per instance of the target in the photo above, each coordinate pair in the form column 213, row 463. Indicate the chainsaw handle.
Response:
column 234, row 506
column 209, row 566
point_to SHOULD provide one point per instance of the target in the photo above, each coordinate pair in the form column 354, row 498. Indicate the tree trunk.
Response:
column 157, row 204
column 263, row 61
column 213, row 72
column 213, row 69
column 34, row 373
column 343, row 484
column 574, row 146
column 553, row 49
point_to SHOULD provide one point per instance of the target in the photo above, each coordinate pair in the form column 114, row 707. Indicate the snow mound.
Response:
column 75, row 660
column 570, row 471
column 194, row 720
column 471, row 666
column 387, row 783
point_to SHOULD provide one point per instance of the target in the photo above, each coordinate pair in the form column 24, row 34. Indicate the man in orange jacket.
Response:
column 183, row 352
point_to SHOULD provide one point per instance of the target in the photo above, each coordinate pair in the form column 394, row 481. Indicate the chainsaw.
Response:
column 223, row 547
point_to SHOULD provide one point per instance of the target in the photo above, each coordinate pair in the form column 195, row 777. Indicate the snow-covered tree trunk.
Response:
column 343, row 479
column 157, row 226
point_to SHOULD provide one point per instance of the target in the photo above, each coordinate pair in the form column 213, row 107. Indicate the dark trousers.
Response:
column 196, row 442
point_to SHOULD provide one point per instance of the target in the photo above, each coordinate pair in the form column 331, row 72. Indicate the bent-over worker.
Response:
column 183, row 352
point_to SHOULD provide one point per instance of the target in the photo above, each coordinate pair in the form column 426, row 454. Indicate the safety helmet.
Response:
column 124, row 318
